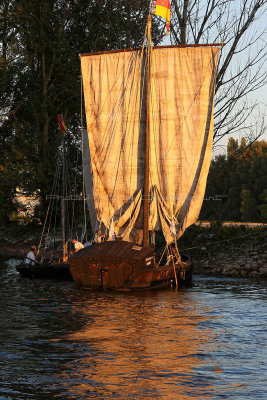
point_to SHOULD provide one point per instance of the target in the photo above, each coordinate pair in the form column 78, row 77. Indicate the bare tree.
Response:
column 239, row 25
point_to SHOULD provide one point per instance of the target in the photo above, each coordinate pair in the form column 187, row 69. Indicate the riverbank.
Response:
column 248, row 260
column 228, row 250
column 233, row 251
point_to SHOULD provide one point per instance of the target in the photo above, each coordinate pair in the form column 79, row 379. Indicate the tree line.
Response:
column 40, row 43
column 237, row 184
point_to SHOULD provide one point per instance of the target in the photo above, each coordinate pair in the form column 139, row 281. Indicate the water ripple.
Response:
column 59, row 342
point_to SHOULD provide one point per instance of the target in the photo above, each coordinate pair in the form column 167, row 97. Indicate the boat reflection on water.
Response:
column 152, row 345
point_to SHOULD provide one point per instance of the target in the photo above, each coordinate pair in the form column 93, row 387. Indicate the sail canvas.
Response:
column 181, row 128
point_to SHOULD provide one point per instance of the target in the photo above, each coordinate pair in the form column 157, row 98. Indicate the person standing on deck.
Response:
column 30, row 258
column 77, row 246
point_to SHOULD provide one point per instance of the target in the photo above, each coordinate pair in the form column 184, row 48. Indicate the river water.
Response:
column 59, row 342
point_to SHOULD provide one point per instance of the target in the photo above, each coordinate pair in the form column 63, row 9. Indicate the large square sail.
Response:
column 182, row 82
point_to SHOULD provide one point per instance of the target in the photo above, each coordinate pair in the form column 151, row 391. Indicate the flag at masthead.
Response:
column 162, row 8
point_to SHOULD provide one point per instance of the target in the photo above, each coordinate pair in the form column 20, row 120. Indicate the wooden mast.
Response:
column 63, row 211
column 147, row 137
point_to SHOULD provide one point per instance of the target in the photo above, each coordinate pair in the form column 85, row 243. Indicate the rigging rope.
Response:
column 82, row 133
column 51, row 200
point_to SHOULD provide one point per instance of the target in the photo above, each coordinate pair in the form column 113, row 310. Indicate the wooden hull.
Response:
column 124, row 266
column 45, row 271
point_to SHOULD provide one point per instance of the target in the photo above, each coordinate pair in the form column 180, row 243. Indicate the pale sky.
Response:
column 259, row 96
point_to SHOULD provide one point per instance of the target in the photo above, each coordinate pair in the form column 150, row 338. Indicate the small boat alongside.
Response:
column 54, row 270
column 54, row 246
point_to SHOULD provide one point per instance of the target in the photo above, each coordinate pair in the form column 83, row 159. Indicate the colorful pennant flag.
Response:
column 62, row 126
column 162, row 8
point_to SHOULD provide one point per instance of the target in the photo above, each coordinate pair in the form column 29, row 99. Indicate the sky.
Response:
column 259, row 96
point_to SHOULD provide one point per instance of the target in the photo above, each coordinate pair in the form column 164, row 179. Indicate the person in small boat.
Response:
column 77, row 246
column 30, row 258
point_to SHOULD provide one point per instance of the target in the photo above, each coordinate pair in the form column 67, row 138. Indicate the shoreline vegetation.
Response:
column 232, row 249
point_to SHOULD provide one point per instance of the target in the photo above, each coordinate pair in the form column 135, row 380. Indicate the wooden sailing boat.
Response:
column 150, row 122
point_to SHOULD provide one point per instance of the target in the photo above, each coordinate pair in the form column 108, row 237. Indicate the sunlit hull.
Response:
column 124, row 266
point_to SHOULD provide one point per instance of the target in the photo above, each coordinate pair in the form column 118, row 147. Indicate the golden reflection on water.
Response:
column 140, row 346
